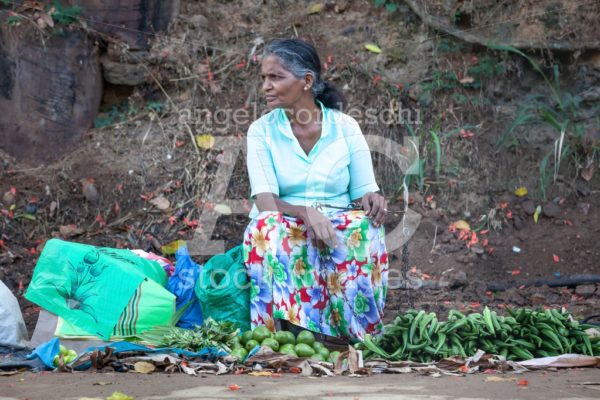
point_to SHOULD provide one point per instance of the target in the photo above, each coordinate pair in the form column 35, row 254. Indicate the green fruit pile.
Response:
column 521, row 335
column 67, row 355
column 284, row 342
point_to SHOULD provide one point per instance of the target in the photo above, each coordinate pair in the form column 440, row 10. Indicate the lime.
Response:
column 306, row 337
column 291, row 337
column 261, row 333
column 63, row 350
column 240, row 353
column 318, row 357
column 318, row 346
column 333, row 356
column 236, row 345
column 250, row 344
column 245, row 337
column 287, row 347
column 324, row 351
column 304, row 350
column 270, row 342
column 289, row 352
column 285, row 337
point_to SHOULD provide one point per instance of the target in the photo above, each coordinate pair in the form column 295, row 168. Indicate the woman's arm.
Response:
column 318, row 227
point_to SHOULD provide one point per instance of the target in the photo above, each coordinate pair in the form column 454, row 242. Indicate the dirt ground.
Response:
column 563, row 384
column 142, row 152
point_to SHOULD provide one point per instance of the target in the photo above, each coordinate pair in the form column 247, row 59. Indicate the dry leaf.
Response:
column 89, row 190
column 223, row 209
column 13, row 372
column 498, row 379
column 315, row 8
column 8, row 198
column 206, row 141
column 53, row 207
column 461, row 224
column 45, row 20
column 373, row 48
column 172, row 247
column 41, row 23
column 188, row 370
column 536, row 214
column 160, row 202
column 214, row 89
column 521, row 191
column 67, row 231
column 34, row 5
column 119, row 396
column 144, row 367
column 260, row 373
column 588, row 171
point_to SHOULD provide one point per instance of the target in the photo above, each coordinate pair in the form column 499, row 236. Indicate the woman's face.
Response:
column 280, row 86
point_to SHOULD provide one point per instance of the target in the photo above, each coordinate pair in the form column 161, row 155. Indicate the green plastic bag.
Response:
column 150, row 306
column 89, row 286
column 223, row 289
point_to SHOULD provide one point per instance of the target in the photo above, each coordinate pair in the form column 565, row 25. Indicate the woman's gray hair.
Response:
column 301, row 59
column 296, row 65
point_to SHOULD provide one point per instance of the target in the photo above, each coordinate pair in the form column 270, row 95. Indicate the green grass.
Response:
column 562, row 112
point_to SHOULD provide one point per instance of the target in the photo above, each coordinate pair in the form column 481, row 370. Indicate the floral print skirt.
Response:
column 338, row 292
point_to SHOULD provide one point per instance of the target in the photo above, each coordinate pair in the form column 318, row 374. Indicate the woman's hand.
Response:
column 319, row 229
column 375, row 206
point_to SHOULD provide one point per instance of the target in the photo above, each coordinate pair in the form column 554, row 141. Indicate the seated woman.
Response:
column 313, row 258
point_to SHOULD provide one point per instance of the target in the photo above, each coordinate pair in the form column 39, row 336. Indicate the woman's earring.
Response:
column 305, row 87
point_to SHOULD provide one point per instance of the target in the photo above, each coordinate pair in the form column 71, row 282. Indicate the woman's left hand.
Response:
column 375, row 206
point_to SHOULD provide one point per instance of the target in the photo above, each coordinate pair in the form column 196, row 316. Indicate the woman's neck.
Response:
column 305, row 113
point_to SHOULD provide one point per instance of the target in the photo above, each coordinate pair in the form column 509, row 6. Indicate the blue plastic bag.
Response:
column 182, row 284
column 46, row 352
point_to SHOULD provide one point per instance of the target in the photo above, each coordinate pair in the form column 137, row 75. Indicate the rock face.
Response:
column 51, row 89
column 132, row 21
column 118, row 73
column 49, row 95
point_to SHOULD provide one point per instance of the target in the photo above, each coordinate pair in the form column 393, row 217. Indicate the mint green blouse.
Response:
column 337, row 170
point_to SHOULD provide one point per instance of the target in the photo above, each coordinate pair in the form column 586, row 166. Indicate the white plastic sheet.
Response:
column 12, row 327
column 562, row 361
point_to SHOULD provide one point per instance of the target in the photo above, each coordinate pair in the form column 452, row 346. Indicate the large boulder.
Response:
column 50, row 91
column 132, row 21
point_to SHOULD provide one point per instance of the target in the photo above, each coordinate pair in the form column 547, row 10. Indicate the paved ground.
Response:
column 564, row 384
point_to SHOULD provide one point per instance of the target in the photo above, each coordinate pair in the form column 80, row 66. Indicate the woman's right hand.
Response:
column 319, row 229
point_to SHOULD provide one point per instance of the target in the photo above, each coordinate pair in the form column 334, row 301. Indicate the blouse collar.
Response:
column 286, row 128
